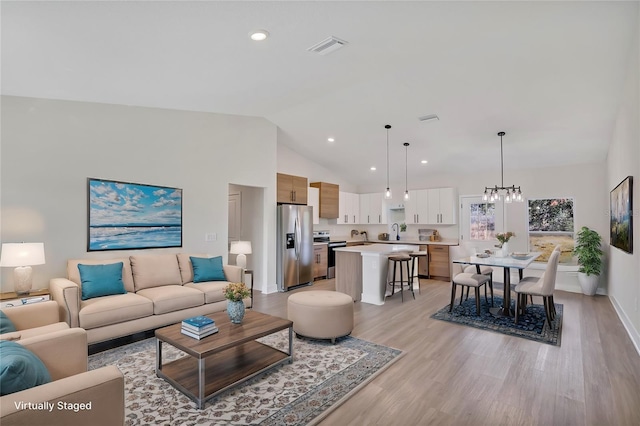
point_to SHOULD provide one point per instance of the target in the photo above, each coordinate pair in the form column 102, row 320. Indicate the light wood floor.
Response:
column 458, row 375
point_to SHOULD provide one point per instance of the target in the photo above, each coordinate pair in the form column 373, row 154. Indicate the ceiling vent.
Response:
column 431, row 117
column 328, row 45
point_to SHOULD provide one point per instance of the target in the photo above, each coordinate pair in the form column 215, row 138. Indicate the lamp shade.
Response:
column 22, row 254
column 240, row 247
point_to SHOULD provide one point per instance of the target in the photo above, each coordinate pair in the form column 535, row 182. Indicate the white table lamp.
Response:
column 22, row 256
column 241, row 248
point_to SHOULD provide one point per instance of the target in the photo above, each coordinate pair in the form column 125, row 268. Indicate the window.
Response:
column 482, row 221
column 551, row 224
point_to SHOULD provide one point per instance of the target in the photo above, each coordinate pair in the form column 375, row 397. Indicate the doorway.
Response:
column 479, row 222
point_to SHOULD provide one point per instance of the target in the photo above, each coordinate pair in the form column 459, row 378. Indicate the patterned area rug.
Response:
column 321, row 377
column 532, row 325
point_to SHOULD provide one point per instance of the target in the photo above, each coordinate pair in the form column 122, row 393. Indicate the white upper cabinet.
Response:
column 416, row 208
column 441, row 206
column 313, row 199
column 372, row 209
column 348, row 208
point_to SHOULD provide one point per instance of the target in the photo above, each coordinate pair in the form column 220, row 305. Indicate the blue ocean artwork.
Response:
column 132, row 216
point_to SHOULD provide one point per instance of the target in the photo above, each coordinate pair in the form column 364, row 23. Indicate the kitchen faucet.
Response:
column 366, row 236
column 397, row 230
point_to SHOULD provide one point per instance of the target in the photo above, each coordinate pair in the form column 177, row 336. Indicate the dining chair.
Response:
column 464, row 279
column 484, row 270
column 539, row 286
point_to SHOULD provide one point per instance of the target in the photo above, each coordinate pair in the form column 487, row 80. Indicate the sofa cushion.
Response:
column 107, row 310
column 73, row 273
column 186, row 269
column 20, row 368
column 207, row 269
column 170, row 298
column 212, row 290
column 101, row 280
column 154, row 271
column 6, row 326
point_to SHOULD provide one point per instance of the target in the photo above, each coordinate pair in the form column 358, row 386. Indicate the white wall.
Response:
column 624, row 160
column 49, row 148
column 292, row 163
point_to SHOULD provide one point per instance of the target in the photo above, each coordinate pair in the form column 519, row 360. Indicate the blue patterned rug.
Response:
column 321, row 377
column 532, row 325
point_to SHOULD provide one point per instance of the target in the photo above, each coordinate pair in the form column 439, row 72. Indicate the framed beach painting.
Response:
column 124, row 215
column 621, row 222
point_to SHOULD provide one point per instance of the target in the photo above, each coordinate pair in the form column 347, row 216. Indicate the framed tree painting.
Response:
column 621, row 222
column 124, row 215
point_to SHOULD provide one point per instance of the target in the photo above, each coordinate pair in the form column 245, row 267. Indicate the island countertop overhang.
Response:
column 386, row 248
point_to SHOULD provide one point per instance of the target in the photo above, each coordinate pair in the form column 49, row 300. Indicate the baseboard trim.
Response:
column 634, row 335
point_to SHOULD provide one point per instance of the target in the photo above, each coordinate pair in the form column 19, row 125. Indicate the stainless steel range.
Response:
column 325, row 237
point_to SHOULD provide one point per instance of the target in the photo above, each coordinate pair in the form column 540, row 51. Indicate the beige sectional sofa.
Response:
column 64, row 354
column 159, row 291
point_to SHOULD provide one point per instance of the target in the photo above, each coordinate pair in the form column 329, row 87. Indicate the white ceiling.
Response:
column 550, row 74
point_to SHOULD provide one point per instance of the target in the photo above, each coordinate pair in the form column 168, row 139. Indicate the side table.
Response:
column 250, row 271
column 11, row 298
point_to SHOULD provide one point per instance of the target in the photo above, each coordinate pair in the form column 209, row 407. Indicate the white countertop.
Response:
column 413, row 241
column 377, row 248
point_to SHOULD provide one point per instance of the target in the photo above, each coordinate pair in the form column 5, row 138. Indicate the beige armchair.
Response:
column 75, row 396
column 33, row 320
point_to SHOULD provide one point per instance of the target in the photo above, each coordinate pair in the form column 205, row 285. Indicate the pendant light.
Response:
column 513, row 193
column 387, row 193
column 406, row 187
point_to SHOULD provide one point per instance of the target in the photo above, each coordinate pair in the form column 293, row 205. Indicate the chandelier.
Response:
column 513, row 193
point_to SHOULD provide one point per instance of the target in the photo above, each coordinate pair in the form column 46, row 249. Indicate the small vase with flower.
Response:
column 235, row 293
column 504, row 238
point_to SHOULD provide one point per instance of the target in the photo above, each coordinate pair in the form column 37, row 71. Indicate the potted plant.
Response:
column 504, row 240
column 589, row 254
column 235, row 293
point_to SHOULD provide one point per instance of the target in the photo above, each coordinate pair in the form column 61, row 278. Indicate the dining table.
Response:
column 519, row 262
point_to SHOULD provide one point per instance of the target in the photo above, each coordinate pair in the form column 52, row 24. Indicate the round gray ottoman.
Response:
column 321, row 314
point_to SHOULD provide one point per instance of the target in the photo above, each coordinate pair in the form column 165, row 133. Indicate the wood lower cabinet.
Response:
column 291, row 189
column 439, row 262
column 329, row 197
column 349, row 274
column 320, row 261
column 423, row 263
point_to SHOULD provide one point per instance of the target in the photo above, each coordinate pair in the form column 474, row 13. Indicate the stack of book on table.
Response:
column 199, row 327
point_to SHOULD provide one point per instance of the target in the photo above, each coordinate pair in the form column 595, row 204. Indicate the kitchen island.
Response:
column 361, row 271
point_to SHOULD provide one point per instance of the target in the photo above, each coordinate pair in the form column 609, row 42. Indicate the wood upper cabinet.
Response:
column 329, row 199
column 291, row 189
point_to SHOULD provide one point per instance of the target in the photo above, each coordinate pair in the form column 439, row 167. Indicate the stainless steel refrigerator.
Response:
column 295, row 246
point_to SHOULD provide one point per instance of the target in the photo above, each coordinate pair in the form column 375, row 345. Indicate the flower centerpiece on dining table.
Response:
column 504, row 238
column 235, row 293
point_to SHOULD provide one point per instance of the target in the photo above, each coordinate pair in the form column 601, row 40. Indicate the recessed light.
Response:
column 259, row 35
column 373, row 169
column 331, row 140
column 424, row 161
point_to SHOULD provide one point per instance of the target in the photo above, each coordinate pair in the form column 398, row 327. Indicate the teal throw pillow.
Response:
column 6, row 326
column 20, row 368
column 101, row 280
column 207, row 269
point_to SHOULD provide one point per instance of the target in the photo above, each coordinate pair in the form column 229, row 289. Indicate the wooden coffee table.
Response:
column 224, row 359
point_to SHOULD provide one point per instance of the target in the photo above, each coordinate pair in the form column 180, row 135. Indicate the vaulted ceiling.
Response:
column 549, row 74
